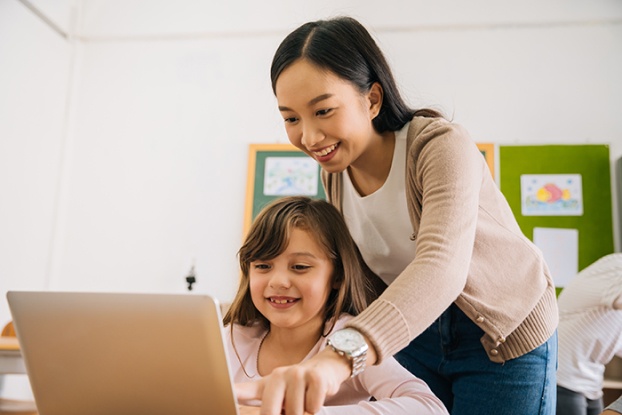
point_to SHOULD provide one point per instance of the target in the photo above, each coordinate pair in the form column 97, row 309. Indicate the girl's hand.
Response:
column 298, row 388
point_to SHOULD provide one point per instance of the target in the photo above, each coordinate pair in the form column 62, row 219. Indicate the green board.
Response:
column 277, row 170
column 595, row 224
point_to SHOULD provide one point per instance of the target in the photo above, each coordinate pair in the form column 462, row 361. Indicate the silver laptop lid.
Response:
column 134, row 354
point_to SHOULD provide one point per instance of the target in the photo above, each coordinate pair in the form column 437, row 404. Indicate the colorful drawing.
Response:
column 551, row 195
column 290, row 176
column 276, row 170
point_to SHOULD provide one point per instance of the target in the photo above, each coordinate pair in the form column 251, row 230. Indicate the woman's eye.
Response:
column 323, row 112
column 290, row 120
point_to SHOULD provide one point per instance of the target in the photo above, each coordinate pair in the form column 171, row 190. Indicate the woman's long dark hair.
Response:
column 343, row 46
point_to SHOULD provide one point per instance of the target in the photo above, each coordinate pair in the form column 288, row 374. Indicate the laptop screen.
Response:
column 121, row 353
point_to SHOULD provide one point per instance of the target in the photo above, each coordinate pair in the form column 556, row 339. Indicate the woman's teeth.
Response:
column 325, row 151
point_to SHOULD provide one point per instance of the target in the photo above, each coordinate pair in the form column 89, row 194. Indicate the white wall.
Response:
column 143, row 173
column 35, row 63
column 123, row 146
column 34, row 79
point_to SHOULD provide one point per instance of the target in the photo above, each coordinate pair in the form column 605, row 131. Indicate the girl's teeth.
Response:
column 281, row 301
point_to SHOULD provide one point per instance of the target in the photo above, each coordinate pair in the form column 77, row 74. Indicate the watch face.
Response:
column 347, row 340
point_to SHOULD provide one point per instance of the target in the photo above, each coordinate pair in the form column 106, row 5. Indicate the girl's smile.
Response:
column 282, row 302
column 291, row 290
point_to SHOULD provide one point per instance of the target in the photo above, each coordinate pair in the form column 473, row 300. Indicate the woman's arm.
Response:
column 302, row 387
column 445, row 175
column 321, row 376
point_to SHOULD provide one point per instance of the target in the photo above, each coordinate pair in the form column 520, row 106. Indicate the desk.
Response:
column 11, row 360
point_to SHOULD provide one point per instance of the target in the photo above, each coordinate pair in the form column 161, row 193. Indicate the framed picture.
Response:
column 276, row 170
column 488, row 151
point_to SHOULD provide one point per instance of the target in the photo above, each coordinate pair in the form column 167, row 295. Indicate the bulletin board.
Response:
column 277, row 170
column 592, row 164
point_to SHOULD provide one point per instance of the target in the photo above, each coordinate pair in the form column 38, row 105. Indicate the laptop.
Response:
column 123, row 354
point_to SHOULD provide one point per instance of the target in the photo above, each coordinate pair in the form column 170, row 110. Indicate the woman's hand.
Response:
column 248, row 410
column 254, row 410
column 298, row 388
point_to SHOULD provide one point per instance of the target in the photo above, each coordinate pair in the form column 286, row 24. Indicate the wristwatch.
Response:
column 350, row 343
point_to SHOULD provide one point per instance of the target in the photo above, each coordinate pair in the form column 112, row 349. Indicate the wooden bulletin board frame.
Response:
column 488, row 151
column 256, row 199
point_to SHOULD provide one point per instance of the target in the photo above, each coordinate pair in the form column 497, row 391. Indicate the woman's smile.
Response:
column 327, row 117
column 326, row 153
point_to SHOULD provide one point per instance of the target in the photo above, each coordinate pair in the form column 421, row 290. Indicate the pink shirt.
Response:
column 395, row 389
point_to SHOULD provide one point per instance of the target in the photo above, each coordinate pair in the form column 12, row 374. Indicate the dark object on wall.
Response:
column 191, row 278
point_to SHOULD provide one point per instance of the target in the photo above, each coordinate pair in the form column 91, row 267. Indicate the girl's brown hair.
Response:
column 268, row 237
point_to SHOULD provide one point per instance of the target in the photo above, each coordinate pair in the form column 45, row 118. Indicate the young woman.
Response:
column 302, row 279
column 470, row 304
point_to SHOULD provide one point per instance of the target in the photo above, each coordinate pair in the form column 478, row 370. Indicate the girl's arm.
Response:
column 396, row 392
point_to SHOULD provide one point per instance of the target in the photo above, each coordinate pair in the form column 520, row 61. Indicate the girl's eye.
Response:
column 300, row 267
column 324, row 111
column 261, row 266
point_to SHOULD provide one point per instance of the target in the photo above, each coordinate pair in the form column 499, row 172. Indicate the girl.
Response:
column 302, row 279
column 470, row 303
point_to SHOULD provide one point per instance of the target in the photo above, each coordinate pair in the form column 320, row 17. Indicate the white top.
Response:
column 397, row 391
column 379, row 222
column 590, row 326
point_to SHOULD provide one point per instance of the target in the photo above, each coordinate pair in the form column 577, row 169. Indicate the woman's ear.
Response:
column 375, row 96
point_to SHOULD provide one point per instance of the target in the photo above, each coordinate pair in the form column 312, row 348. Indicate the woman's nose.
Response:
column 311, row 135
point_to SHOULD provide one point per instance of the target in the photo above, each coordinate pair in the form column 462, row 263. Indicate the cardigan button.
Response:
column 480, row 319
column 494, row 352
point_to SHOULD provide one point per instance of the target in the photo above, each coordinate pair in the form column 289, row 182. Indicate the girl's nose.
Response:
column 279, row 279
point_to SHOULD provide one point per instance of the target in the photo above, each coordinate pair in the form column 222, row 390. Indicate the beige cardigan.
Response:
column 469, row 250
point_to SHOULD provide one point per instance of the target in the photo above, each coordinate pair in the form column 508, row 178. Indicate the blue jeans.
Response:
column 449, row 357
column 573, row 403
